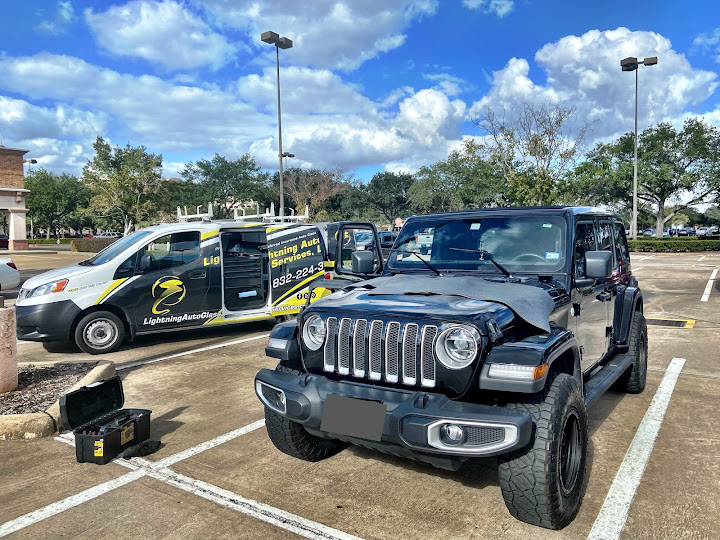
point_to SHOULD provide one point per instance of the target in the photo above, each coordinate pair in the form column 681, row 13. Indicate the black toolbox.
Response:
column 102, row 428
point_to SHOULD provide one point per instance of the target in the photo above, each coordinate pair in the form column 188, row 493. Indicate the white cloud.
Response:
column 498, row 7
column 326, row 33
column 709, row 44
column 164, row 33
column 326, row 122
column 584, row 72
column 449, row 84
column 64, row 15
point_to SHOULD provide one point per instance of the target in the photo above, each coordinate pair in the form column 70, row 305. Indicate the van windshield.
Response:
column 114, row 249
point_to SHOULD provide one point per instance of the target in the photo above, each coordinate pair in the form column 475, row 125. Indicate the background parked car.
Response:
column 702, row 231
column 109, row 234
column 4, row 241
column 387, row 238
column 690, row 231
column 649, row 232
column 9, row 275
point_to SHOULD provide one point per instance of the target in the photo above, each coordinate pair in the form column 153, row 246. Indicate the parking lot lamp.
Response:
column 280, row 43
column 631, row 64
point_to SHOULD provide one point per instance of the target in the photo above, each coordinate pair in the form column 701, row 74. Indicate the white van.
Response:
column 177, row 276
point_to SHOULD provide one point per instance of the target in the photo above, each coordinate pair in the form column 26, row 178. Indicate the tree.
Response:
column 226, row 184
column 54, row 198
column 533, row 147
column 314, row 187
column 388, row 192
column 682, row 167
column 464, row 180
column 123, row 181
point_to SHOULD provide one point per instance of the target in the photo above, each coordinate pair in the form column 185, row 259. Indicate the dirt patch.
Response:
column 40, row 387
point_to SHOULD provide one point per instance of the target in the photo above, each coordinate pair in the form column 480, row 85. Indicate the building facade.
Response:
column 12, row 195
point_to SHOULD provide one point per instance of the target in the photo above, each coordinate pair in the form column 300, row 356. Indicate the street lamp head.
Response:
column 650, row 61
column 285, row 43
column 31, row 161
column 270, row 37
column 287, row 154
column 629, row 64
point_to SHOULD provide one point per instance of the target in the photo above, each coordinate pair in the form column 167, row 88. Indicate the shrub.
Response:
column 91, row 245
column 673, row 244
column 48, row 241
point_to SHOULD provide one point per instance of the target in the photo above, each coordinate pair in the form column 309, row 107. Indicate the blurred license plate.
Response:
column 353, row 417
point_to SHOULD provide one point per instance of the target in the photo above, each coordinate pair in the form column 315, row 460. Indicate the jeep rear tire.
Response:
column 633, row 380
column 544, row 483
column 99, row 332
column 292, row 439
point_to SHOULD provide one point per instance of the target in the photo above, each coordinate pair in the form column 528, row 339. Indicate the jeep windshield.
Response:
column 522, row 244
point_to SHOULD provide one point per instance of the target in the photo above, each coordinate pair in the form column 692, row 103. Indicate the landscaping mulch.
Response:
column 41, row 386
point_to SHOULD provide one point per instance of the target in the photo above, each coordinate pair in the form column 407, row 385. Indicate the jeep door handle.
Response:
column 198, row 274
column 604, row 296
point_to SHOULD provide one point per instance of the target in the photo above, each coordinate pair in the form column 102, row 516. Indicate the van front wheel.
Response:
column 99, row 332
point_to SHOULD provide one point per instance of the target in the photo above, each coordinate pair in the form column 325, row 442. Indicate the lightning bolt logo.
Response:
column 169, row 291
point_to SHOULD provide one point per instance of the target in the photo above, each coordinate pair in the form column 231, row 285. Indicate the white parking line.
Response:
column 94, row 492
column 708, row 287
column 613, row 514
column 639, row 268
column 186, row 353
column 269, row 514
column 648, row 257
column 701, row 258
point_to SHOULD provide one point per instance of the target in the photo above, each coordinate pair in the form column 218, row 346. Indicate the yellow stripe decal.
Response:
column 114, row 285
column 298, row 286
column 222, row 320
column 208, row 234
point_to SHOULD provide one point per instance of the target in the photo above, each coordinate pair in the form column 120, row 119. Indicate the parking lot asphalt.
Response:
column 217, row 474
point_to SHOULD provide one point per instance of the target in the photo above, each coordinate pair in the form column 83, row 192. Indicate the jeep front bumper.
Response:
column 415, row 421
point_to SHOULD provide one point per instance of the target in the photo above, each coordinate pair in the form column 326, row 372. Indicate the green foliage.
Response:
column 49, row 241
column 673, row 244
column 672, row 165
column 225, row 183
column 91, row 245
column 123, row 182
column 54, row 199
column 388, row 192
column 313, row 188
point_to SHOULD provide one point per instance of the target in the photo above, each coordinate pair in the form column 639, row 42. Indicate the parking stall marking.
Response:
column 701, row 258
column 613, row 514
column 143, row 467
column 708, row 287
column 648, row 257
column 139, row 363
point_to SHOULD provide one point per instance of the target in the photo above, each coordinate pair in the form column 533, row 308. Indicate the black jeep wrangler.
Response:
column 485, row 333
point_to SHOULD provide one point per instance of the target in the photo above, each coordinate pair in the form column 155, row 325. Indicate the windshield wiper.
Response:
column 417, row 254
column 484, row 256
column 86, row 262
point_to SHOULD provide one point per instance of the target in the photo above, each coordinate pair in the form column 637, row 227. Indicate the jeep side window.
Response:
column 584, row 241
column 173, row 249
column 606, row 240
column 621, row 247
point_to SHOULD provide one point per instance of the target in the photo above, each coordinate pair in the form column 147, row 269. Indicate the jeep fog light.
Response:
column 457, row 347
column 513, row 371
column 453, row 433
column 273, row 397
column 314, row 332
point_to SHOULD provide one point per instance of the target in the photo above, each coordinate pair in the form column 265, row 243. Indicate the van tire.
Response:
column 99, row 332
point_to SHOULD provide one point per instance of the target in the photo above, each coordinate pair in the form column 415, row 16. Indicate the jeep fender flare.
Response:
column 560, row 351
column 629, row 300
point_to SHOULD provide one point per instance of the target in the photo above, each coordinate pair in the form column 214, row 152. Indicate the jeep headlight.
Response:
column 457, row 347
column 314, row 332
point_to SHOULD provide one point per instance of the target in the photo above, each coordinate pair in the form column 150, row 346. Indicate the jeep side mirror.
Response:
column 363, row 262
column 598, row 264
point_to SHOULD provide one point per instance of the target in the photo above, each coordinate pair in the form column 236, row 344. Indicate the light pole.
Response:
column 287, row 155
column 280, row 43
column 631, row 64
column 30, row 162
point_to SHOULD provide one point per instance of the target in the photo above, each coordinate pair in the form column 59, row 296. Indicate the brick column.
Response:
column 8, row 351
column 18, row 229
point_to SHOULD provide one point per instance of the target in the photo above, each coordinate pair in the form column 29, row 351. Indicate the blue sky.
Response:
column 369, row 85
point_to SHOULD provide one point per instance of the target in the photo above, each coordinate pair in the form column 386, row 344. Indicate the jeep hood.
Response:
column 442, row 296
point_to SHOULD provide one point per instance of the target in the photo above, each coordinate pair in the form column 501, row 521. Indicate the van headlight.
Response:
column 314, row 332
column 48, row 288
column 457, row 347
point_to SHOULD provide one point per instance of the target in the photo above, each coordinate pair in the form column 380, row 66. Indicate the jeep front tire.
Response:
column 291, row 438
column 544, row 483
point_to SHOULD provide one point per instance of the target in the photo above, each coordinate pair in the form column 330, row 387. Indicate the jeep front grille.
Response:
column 375, row 350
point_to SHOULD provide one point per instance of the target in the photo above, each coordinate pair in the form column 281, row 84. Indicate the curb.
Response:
column 35, row 425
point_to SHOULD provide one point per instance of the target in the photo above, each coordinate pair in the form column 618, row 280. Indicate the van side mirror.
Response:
column 363, row 262
column 147, row 263
column 598, row 264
